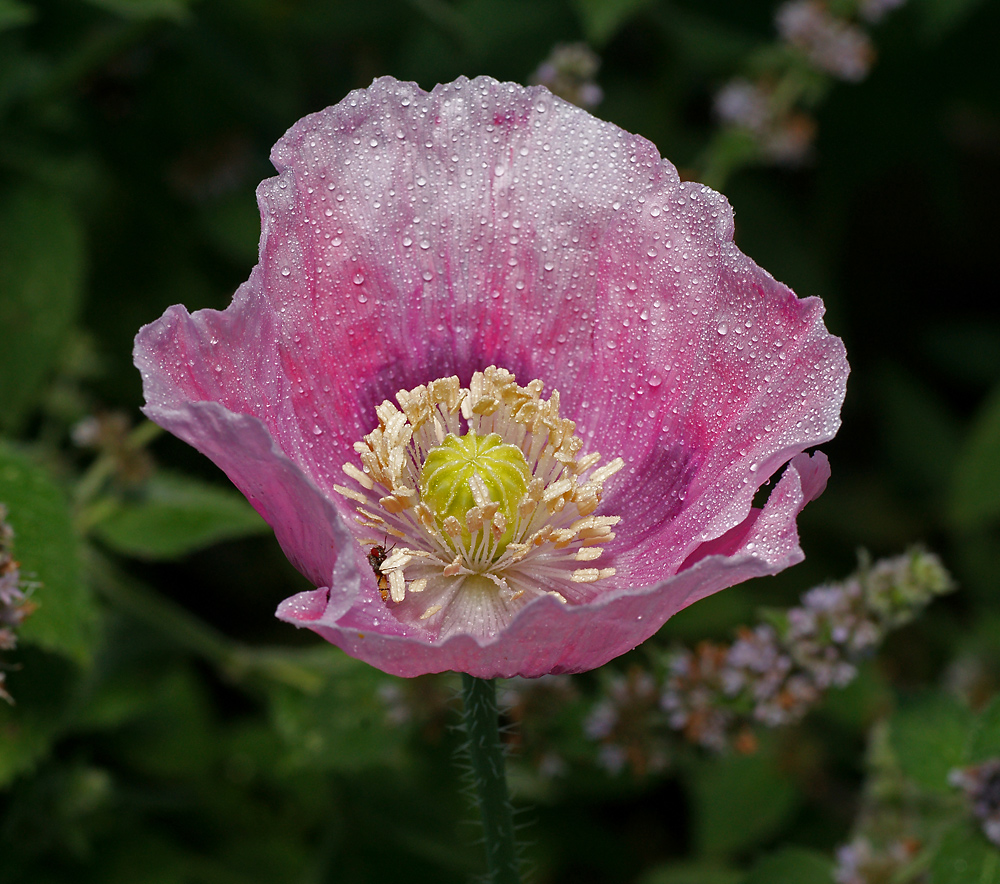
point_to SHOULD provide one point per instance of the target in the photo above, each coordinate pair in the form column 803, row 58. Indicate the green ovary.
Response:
column 446, row 474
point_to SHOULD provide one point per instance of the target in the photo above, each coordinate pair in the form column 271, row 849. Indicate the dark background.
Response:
column 149, row 742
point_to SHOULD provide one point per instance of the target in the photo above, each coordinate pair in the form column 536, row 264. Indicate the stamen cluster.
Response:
column 516, row 539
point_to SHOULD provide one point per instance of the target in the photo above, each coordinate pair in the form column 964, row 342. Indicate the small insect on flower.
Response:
column 376, row 557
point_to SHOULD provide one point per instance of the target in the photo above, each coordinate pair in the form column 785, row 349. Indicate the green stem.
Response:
column 490, row 777
column 234, row 660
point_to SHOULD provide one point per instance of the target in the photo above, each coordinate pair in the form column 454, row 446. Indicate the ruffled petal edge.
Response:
column 551, row 637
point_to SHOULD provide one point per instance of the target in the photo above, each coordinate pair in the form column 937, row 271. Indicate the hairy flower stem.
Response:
column 489, row 775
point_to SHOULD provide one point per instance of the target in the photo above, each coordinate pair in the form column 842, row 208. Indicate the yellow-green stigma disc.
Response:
column 475, row 471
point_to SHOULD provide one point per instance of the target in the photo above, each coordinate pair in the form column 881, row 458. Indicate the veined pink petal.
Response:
column 410, row 236
column 722, row 360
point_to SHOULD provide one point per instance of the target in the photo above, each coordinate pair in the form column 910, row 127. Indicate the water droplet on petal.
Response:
column 359, row 278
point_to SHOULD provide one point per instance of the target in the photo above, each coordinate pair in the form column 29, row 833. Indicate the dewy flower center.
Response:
column 486, row 499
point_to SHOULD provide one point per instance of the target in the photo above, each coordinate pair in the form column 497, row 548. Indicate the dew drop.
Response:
column 359, row 278
column 654, row 380
column 285, row 271
column 723, row 328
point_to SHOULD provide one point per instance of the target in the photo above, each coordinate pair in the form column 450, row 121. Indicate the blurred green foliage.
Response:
column 168, row 729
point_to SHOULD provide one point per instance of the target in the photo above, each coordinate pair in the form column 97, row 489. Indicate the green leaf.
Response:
column 13, row 14
column 232, row 225
column 42, row 687
column 147, row 10
column 928, row 734
column 41, row 276
column 984, row 740
column 968, row 351
column 739, row 801
column 175, row 735
column 343, row 725
column 48, row 550
column 975, row 498
column 964, row 856
column 860, row 702
column 791, row 865
column 178, row 515
column 602, row 18
column 939, row 17
column 691, row 873
column 918, row 429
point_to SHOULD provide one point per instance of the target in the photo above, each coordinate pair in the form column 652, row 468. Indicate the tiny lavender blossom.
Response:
column 981, row 785
column 14, row 606
column 832, row 44
column 783, row 136
column 861, row 863
column 874, row 11
column 620, row 722
column 503, row 386
column 569, row 72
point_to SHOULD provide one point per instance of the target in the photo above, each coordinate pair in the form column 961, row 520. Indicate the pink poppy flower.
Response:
column 590, row 382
